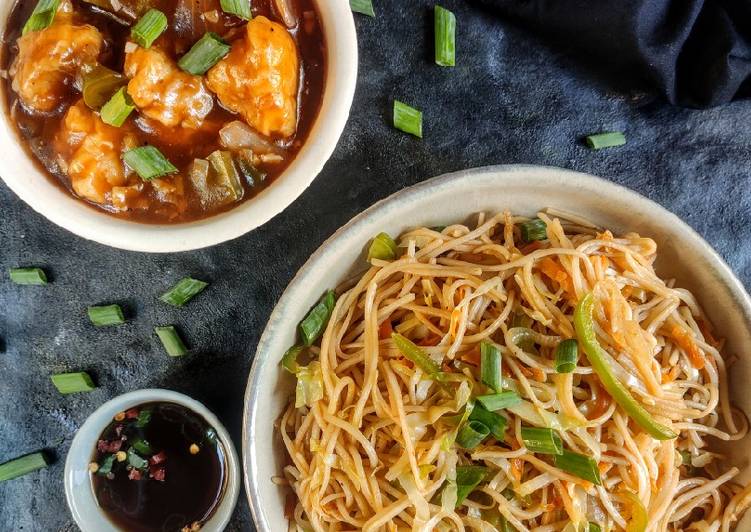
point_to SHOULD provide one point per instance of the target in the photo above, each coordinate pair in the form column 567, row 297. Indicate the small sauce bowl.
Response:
column 79, row 491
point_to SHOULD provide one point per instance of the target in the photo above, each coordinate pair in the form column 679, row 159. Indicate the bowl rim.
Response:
column 82, row 502
column 63, row 209
column 301, row 281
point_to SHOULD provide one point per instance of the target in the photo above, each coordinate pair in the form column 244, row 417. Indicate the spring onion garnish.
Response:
column 594, row 527
column 419, row 357
column 364, row 7
column 107, row 315
column 42, row 16
column 99, row 85
column 467, row 479
column 150, row 26
column 578, row 465
column 496, row 423
column 407, row 119
column 117, row 109
column 382, row 247
column 185, row 290
column 22, row 465
column 585, row 330
column 144, row 416
column 490, row 366
column 239, row 8
column 171, row 340
column 73, row 382
column 315, row 322
column 141, row 446
column 445, row 29
column 534, row 230
column 105, row 468
column 566, row 355
column 289, row 360
column 605, row 140
column 148, row 162
column 204, row 54
column 498, row 401
column 542, row 440
column 136, row 461
column 33, row 276
column 471, row 434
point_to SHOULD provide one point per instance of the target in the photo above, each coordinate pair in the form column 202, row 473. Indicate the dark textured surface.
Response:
column 511, row 99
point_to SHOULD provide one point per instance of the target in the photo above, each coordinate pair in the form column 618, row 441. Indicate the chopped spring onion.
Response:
column 382, row 247
column 364, row 7
column 137, row 461
column 171, row 340
column 42, row 16
column 289, row 360
column 495, row 422
column 141, row 446
column 407, row 119
column 419, row 357
column 467, row 479
column 594, row 527
column 498, row 401
column 117, row 109
column 534, row 230
column 105, row 468
column 204, row 54
column 578, row 465
column 239, row 8
column 315, row 322
column 490, row 366
column 32, row 276
column 99, row 85
column 73, row 382
column 22, row 465
column 445, row 30
column 566, row 356
column 143, row 419
column 471, row 434
column 106, row 315
column 148, row 162
column 185, row 290
column 605, row 140
column 149, row 27
column 542, row 440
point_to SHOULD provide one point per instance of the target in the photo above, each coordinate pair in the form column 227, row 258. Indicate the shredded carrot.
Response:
column 706, row 331
column 385, row 330
column 538, row 374
column 670, row 376
column 472, row 356
column 517, row 467
column 557, row 273
column 604, row 467
column 686, row 342
column 454, row 323
column 529, row 248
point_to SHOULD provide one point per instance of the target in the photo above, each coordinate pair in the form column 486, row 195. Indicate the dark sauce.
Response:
column 180, row 146
column 176, row 487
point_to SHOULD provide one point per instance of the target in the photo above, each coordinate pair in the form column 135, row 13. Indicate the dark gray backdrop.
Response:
column 511, row 99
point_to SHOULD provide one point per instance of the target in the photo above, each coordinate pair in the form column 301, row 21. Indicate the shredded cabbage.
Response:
column 309, row 384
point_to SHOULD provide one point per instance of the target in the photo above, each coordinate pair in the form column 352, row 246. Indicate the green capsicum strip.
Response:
column 584, row 324
column 420, row 358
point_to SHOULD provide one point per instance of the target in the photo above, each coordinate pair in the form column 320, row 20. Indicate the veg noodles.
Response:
column 416, row 401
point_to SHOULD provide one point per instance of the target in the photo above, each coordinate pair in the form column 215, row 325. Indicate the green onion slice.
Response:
column 137, row 461
column 315, row 322
column 467, row 479
column 29, row 276
column 239, row 8
column 22, row 465
column 578, row 465
column 149, row 27
column 105, row 468
column 594, row 527
column 143, row 419
column 566, row 356
column 171, row 340
column 407, row 119
column 445, row 30
column 148, row 162
column 364, row 7
column 42, row 16
column 289, row 360
column 605, row 140
column 534, row 230
column 496, row 423
column 99, row 85
column 382, row 247
column 419, row 357
column 141, row 446
column 117, row 109
column 542, row 440
column 204, row 54
column 471, row 434
column 185, row 290
column 490, row 366
column 106, row 315
column 73, row 382
column 498, row 401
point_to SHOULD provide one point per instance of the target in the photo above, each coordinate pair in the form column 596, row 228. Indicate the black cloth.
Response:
column 696, row 52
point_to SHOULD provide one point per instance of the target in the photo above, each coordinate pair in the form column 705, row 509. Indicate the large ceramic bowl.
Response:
column 34, row 187
column 683, row 254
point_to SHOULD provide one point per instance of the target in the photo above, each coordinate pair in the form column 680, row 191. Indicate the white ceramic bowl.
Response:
column 78, row 490
column 23, row 176
column 682, row 253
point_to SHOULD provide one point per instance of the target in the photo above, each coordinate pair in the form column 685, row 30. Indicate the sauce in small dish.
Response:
column 158, row 466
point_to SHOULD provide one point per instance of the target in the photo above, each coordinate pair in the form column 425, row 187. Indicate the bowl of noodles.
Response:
column 506, row 348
